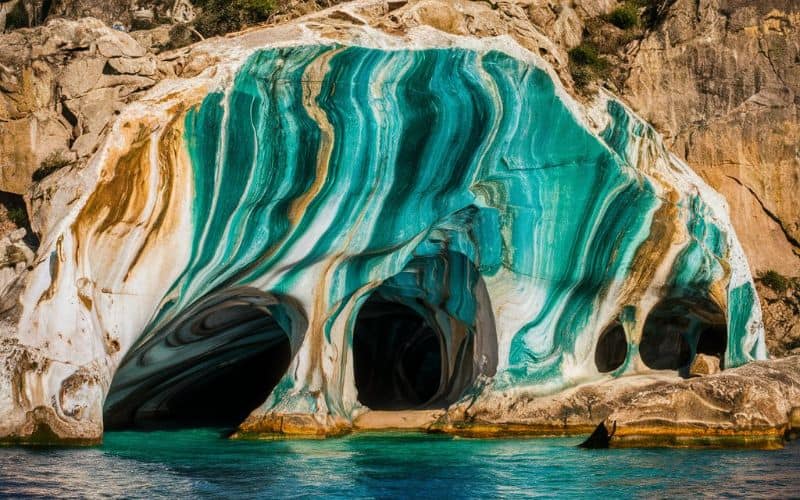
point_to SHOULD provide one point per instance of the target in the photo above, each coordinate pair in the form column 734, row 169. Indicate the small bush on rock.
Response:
column 180, row 35
column 584, row 55
column 775, row 281
column 224, row 16
column 586, row 64
column 18, row 216
column 624, row 17
column 54, row 161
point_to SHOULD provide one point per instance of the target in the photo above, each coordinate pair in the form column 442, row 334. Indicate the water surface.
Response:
column 199, row 463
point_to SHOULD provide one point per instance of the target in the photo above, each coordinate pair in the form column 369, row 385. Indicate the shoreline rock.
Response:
column 747, row 406
column 649, row 404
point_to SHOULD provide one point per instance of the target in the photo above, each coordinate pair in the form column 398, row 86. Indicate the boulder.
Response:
column 703, row 364
column 794, row 419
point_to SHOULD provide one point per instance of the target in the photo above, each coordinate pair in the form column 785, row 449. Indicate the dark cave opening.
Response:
column 226, row 396
column 664, row 345
column 17, row 212
column 210, row 370
column 713, row 340
column 612, row 349
column 677, row 328
column 398, row 360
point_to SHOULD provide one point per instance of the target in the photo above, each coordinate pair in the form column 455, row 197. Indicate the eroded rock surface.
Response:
column 750, row 405
column 61, row 84
column 720, row 79
column 15, row 259
column 781, row 312
column 180, row 253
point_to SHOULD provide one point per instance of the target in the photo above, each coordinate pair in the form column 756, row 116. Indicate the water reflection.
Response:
column 192, row 463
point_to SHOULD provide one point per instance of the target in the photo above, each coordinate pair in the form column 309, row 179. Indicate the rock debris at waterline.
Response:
column 372, row 223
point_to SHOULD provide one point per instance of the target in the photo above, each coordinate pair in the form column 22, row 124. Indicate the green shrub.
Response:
column 775, row 281
column 581, row 76
column 180, row 35
column 142, row 24
column 584, row 55
column 224, row 16
column 18, row 216
column 624, row 17
column 54, row 161
column 586, row 64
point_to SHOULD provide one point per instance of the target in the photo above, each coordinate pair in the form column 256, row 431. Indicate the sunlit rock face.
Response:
column 329, row 228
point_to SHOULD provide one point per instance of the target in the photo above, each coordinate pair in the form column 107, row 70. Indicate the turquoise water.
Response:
column 197, row 463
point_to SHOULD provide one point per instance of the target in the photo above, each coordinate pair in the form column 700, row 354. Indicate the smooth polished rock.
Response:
column 326, row 182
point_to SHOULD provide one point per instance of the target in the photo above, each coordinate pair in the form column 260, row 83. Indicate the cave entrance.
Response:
column 424, row 336
column 397, row 357
column 677, row 329
column 211, row 367
column 612, row 349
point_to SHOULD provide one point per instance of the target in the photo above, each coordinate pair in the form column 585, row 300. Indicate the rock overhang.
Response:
column 469, row 150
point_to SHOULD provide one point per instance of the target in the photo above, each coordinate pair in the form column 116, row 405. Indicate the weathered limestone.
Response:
column 15, row 258
column 746, row 406
column 781, row 318
column 54, row 94
column 60, row 89
column 704, row 364
column 719, row 78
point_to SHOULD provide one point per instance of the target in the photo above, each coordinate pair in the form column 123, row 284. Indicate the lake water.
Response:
column 199, row 463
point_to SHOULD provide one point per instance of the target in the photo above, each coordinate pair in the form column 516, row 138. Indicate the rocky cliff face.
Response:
column 720, row 79
column 384, row 228
column 61, row 85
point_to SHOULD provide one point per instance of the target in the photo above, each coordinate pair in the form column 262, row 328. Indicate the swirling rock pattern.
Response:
column 441, row 223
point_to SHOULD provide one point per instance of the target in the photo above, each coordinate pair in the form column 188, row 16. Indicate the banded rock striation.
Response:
column 338, row 217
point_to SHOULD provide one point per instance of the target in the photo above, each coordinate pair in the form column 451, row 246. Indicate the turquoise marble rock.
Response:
column 455, row 183
column 347, row 227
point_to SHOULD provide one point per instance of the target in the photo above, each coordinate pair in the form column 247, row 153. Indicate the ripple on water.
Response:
column 199, row 463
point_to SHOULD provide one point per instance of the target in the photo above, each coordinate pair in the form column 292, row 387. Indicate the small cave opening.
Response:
column 677, row 329
column 211, row 368
column 713, row 340
column 612, row 349
column 398, row 359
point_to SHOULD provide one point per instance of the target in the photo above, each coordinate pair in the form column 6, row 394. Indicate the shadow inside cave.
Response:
column 211, row 366
column 423, row 337
column 397, row 357
column 612, row 349
column 678, row 329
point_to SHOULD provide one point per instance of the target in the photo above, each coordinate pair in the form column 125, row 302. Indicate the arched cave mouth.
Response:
column 677, row 329
column 212, row 366
column 398, row 358
column 612, row 349
column 422, row 338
